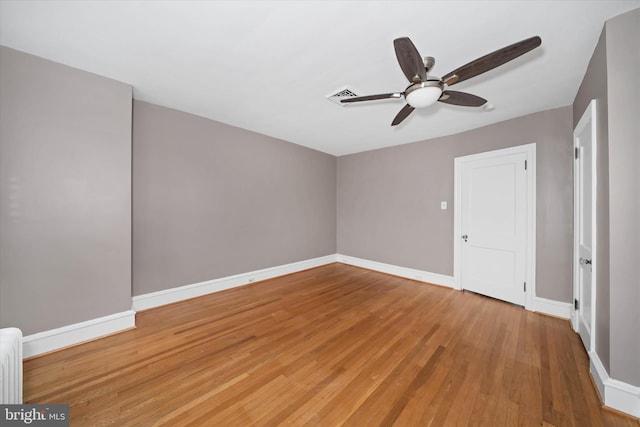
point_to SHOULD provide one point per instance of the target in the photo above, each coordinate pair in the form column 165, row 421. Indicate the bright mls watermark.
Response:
column 34, row 415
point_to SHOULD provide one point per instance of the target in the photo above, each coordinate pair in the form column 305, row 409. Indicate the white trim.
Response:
column 552, row 307
column 540, row 305
column 77, row 333
column 598, row 372
column 55, row 339
column 574, row 319
column 530, row 257
column 457, row 223
column 409, row 273
column 622, row 397
column 615, row 394
column 531, row 225
column 168, row 296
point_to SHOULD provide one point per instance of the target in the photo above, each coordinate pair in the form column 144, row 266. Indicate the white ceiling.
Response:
column 267, row 66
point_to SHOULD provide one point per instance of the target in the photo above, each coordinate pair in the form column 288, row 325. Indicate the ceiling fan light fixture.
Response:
column 424, row 94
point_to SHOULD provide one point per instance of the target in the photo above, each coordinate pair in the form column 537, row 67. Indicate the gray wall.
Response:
column 65, row 194
column 594, row 86
column 612, row 79
column 212, row 200
column 389, row 199
column 623, row 62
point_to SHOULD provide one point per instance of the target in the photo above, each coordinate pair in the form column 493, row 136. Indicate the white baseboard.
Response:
column 55, row 339
column 77, row 333
column 622, row 397
column 168, row 296
column 409, row 273
column 598, row 372
column 553, row 308
column 541, row 305
column 615, row 394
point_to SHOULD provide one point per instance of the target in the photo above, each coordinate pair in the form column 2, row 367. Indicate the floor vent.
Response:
column 341, row 94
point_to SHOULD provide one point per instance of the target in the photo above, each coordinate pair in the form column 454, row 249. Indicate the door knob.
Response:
column 465, row 237
column 584, row 261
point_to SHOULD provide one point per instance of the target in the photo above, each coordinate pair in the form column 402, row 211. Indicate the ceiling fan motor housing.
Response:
column 429, row 62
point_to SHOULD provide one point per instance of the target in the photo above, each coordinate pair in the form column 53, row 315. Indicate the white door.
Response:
column 494, row 201
column 584, row 227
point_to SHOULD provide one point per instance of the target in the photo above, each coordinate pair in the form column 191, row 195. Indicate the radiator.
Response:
column 11, row 372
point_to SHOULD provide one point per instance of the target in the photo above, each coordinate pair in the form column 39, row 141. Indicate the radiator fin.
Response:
column 11, row 369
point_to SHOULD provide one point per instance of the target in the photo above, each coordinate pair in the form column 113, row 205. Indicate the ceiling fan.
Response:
column 425, row 90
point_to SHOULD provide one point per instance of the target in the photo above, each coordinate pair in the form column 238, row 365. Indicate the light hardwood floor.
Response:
column 335, row 345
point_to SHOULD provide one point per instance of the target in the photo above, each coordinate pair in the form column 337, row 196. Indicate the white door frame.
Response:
column 588, row 119
column 530, row 245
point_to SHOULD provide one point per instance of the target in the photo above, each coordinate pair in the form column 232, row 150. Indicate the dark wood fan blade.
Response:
column 491, row 61
column 403, row 114
column 410, row 60
column 461, row 98
column 371, row 97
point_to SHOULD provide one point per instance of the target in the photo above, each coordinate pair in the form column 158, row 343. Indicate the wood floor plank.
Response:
column 335, row 345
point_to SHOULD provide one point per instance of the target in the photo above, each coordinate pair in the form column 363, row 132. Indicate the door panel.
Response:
column 493, row 219
column 584, row 227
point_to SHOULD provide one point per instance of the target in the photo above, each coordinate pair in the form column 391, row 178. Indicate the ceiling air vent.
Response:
column 341, row 94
